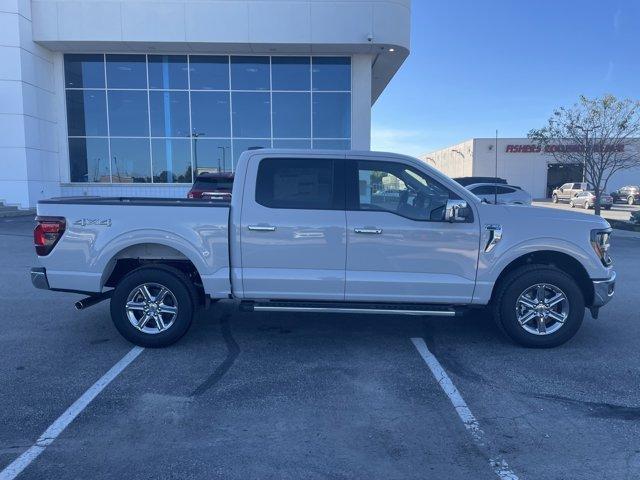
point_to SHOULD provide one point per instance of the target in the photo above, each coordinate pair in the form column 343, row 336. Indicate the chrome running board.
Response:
column 342, row 307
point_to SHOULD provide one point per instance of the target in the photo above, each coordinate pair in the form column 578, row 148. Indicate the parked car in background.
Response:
column 507, row 194
column 587, row 200
column 567, row 191
column 629, row 195
column 466, row 181
column 212, row 186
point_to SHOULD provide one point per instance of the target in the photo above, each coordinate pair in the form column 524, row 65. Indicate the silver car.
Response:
column 587, row 200
column 507, row 194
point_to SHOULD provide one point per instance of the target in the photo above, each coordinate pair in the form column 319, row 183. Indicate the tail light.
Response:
column 47, row 233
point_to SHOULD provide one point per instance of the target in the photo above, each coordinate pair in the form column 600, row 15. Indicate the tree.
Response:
column 597, row 133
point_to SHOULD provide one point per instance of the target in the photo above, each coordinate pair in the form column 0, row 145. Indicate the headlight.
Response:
column 600, row 243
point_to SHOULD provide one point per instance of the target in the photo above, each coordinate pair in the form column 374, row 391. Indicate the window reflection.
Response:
column 171, row 160
column 130, row 160
column 240, row 146
column 251, row 115
column 86, row 113
column 211, row 155
column 250, row 73
column 163, row 115
column 128, row 115
column 168, row 72
column 210, row 114
column 84, row 71
column 209, row 72
column 332, row 73
column 291, row 73
column 89, row 159
column 169, row 114
column 292, row 115
column 126, row 71
column 331, row 115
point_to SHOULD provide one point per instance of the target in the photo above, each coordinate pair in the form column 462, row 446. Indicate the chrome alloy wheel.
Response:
column 151, row 308
column 542, row 309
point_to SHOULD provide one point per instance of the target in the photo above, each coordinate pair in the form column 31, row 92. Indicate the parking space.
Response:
column 315, row 396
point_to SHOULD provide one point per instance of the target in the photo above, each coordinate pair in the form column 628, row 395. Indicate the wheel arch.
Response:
column 560, row 260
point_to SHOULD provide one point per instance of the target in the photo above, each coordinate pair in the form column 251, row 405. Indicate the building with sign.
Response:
column 137, row 97
column 520, row 162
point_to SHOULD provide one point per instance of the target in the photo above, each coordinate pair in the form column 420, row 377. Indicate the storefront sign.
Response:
column 560, row 148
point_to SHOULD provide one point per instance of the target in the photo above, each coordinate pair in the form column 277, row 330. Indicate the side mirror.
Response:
column 456, row 211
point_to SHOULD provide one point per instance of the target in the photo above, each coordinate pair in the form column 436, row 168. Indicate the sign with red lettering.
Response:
column 559, row 148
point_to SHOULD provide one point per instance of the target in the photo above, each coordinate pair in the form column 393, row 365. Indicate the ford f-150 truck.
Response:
column 327, row 231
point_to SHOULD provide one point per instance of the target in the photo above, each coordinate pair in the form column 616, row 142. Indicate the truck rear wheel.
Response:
column 539, row 306
column 153, row 306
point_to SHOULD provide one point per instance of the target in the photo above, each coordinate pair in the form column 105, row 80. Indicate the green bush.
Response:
column 635, row 217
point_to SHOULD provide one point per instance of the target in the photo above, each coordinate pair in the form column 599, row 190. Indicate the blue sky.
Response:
column 480, row 65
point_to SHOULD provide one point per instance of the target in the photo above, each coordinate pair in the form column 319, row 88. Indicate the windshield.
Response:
column 212, row 183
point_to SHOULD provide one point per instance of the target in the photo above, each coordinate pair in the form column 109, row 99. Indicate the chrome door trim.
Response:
column 373, row 231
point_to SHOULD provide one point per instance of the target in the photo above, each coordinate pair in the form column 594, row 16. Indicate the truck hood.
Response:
column 551, row 221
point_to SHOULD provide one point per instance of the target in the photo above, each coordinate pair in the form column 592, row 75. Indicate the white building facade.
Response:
column 520, row 162
column 126, row 98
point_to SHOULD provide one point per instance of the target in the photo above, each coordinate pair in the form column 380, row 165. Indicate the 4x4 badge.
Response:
column 86, row 222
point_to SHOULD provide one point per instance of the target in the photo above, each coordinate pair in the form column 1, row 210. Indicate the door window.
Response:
column 299, row 183
column 397, row 188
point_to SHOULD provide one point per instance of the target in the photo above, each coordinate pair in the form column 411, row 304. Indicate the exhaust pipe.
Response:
column 92, row 300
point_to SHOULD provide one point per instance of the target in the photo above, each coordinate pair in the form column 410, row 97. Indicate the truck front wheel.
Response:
column 153, row 306
column 539, row 306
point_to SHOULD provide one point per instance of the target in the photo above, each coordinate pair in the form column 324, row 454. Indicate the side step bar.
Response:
column 350, row 307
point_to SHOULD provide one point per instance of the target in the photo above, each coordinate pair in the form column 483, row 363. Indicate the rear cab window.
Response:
column 300, row 183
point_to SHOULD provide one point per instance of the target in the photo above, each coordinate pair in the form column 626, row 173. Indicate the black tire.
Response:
column 182, row 291
column 586, row 206
column 631, row 200
column 608, row 207
column 518, row 281
column 554, row 198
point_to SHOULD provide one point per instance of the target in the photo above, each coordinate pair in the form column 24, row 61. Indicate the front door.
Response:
column 399, row 248
column 293, row 229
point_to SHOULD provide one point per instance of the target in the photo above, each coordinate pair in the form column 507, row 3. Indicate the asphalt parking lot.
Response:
column 292, row 396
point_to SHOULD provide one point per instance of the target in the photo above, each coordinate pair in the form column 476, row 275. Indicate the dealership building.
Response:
column 127, row 98
column 520, row 162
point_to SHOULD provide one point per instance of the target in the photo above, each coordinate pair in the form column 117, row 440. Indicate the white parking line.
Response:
column 56, row 428
column 499, row 466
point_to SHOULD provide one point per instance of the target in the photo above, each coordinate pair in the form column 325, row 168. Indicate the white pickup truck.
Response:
column 327, row 231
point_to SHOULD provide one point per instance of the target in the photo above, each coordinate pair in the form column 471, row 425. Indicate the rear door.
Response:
column 399, row 248
column 293, row 227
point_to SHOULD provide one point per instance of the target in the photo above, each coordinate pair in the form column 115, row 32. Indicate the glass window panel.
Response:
column 211, row 155
column 286, row 143
column 291, row 73
column 291, row 115
column 250, row 73
column 126, row 71
column 209, row 72
column 332, row 73
column 332, row 144
column 169, row 114
column 84, row 71
column 89, row 159
column 251, row 115
column 210, row 114
column 240, row 146
column 86, row 113
column 130, row 160
column 128, row 115
column 292, row 183
column 168, row 71
column 171, row 160
column 396, row 188
column 332, row 115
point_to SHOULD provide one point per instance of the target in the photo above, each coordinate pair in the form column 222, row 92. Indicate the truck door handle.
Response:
column 262, row 228
column 372, row 231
